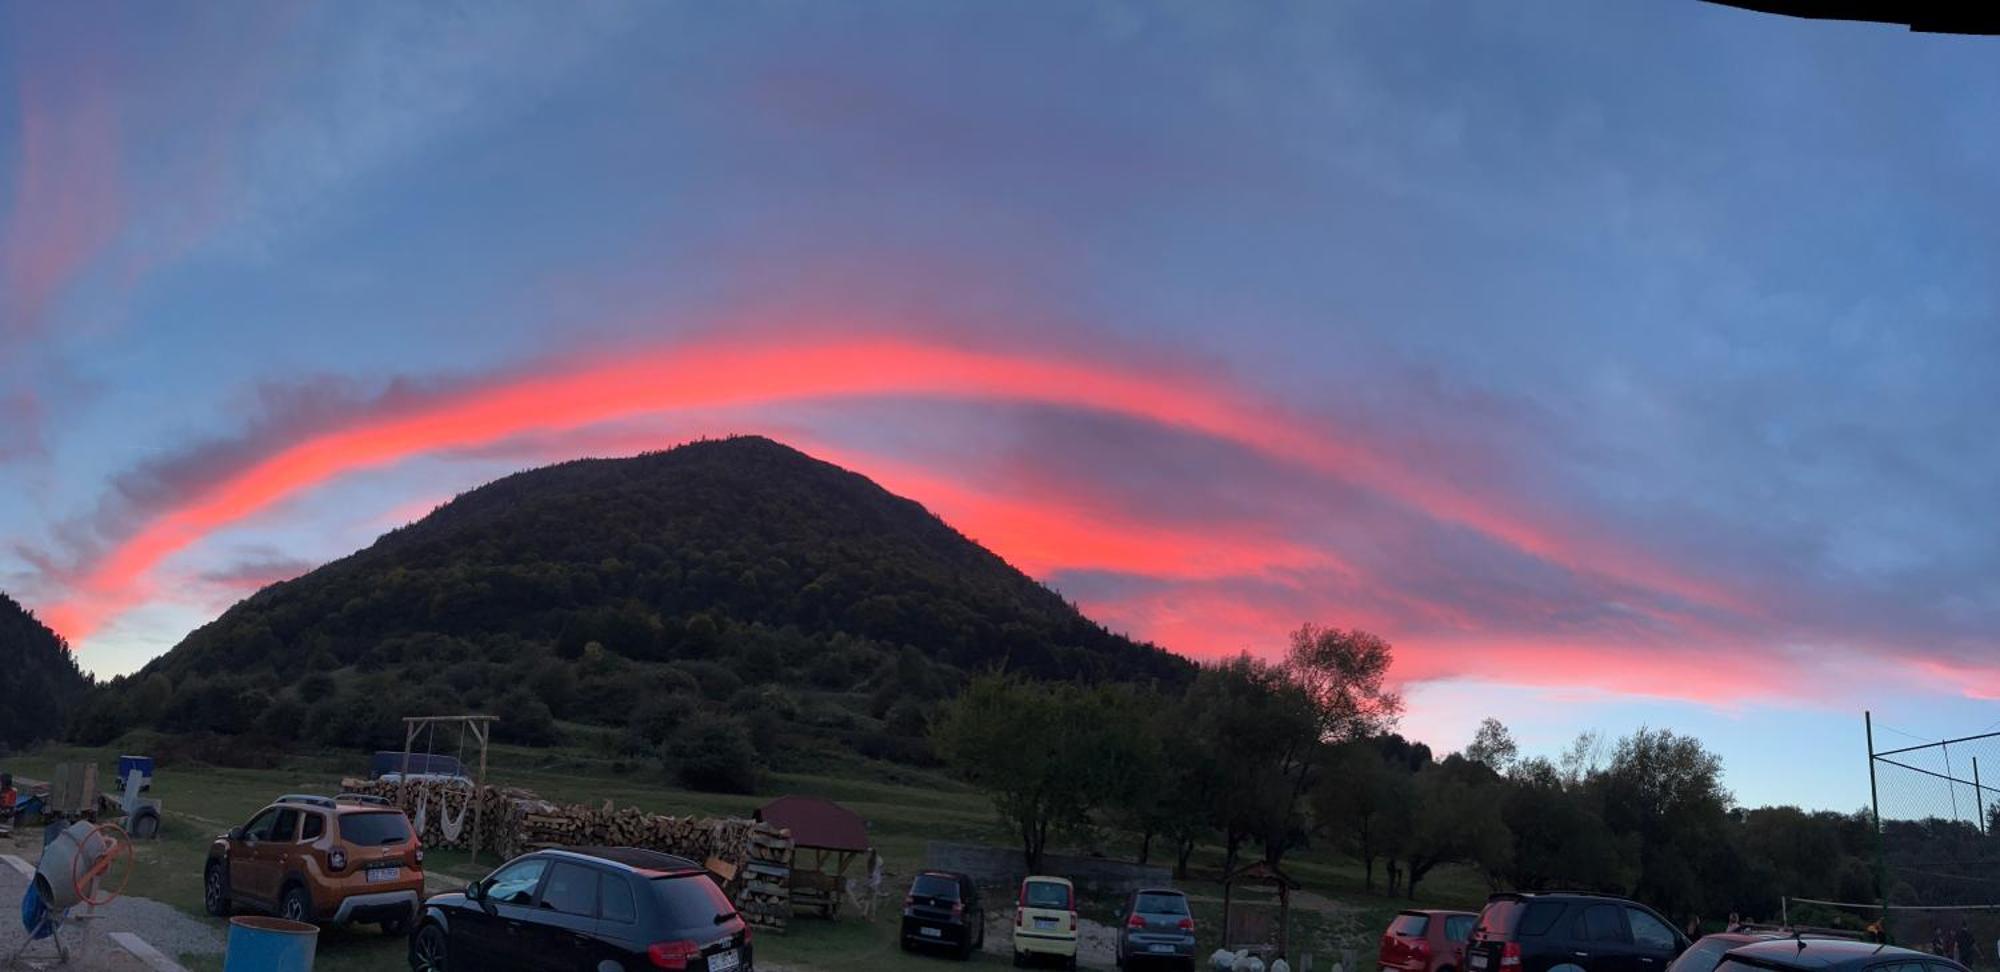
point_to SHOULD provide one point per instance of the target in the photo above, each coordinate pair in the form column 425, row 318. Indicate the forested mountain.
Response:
column 38, row 679
column 588, row 589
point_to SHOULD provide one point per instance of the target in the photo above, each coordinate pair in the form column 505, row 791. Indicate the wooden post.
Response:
column 481, row 730
column 403, row 783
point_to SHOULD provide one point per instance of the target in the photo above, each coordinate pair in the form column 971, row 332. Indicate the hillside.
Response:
column 707, row 571
column 38, row 679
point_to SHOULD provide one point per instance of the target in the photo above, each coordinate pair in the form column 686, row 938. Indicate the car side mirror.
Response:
column 473, row 892
column 235, row 833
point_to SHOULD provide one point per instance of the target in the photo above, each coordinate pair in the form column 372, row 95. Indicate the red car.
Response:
column 1427, row 941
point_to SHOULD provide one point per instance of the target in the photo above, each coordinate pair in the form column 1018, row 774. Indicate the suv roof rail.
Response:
column 367, row 798
column 1556, row 893
column 309, row 799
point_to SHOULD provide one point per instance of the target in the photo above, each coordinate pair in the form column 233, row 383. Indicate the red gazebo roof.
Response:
column 817, row 823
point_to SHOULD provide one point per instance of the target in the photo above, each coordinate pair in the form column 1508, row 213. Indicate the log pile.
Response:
column 754, row 860
column 440, row 807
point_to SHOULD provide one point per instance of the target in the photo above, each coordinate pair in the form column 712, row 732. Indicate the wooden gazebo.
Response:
column 1252, row 929
column 826, row 838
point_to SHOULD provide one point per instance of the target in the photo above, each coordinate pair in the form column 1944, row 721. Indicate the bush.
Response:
column 717, row 683
column 653, row 722
column 765, row 727
column 713, row 753
column 907, row 718
column 317, row 686
column 604, row 697
column 282, row 720
column 526, row 720
column 670, row 680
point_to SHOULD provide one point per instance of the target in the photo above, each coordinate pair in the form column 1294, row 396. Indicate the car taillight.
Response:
column 1186, row 924
column 1510, row 954
column 420, row 855
column 958, row 909
column 336, row 859
column 1421, row 946
column 672, row 955
column 1072, row 922
column 1020, row 917
column 1136, row 921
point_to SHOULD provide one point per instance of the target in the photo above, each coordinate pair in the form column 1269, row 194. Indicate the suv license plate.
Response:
column 931, row 932
column 377, row 875
column 1159, row 948
column 1478, row 960
column 722, row 961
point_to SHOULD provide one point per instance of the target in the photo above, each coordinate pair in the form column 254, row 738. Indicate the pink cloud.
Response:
column 65, row 197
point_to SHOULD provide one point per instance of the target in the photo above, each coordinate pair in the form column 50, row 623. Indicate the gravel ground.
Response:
column 161, row 925
column 1096, row 945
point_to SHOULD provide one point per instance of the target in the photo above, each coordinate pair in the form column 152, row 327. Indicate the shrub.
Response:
column 526, row 720
column 654, row 721
column 717, row 683
column 713, row 753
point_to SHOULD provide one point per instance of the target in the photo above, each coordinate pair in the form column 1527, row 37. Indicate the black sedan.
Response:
column 608, row 909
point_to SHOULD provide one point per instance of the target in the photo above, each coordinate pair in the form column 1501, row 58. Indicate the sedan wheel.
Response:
column 427, row 953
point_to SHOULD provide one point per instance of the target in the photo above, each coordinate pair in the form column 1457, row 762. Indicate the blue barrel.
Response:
column 260, row 944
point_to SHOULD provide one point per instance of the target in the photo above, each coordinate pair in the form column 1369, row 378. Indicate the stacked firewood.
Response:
column 753, row 860
column 447, row 817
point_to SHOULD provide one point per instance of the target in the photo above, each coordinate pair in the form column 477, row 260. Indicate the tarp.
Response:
column 816, row 823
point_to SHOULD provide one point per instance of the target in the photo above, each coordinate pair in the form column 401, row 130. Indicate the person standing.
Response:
column 1964, row 944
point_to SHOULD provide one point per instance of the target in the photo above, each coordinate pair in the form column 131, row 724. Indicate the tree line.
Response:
column 1263, row 758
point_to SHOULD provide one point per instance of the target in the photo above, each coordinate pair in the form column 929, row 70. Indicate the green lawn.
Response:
column 904, row 807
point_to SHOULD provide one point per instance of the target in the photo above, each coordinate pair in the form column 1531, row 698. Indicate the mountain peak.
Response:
column 736, row 562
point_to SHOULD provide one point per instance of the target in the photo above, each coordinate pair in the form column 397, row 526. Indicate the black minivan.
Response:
column 584, row 909
column 1570, row 932
column 943, row 908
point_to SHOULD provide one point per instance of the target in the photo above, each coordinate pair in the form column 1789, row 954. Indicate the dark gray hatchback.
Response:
column 1157, row 928
column 1822, row 955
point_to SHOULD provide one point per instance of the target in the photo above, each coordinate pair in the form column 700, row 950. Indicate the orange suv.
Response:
column 320, row 859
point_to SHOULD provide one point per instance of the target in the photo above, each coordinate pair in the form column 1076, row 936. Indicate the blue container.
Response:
column 144, row 766
column 260, row 944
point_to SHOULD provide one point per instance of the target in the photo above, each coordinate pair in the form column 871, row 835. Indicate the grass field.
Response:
column 904, row 808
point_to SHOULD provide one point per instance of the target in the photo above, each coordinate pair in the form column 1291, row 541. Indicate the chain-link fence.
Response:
column 1936, row 805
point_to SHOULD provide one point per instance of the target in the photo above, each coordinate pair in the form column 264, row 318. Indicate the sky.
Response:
column 1623, row 364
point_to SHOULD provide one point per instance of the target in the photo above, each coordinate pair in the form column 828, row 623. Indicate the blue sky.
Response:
column 1623, row 363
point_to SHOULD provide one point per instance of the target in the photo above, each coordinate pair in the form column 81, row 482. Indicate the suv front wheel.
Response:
column 215, row 890
column 296, row 905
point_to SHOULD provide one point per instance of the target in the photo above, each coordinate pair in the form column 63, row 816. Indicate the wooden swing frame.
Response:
column 481, row 727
